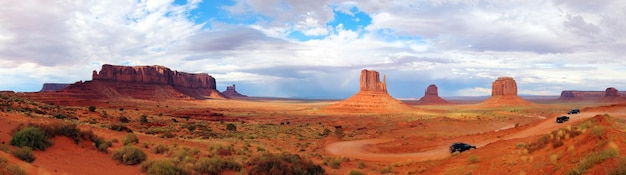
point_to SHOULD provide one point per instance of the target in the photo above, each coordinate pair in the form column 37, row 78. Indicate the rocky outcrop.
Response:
column 231, row 92
column 145, row 82
column 431, row 96
column 370, row 81
column 504, row 92
column 53, row 87
column 504, row 86
column 371, row 98
column 574, row 95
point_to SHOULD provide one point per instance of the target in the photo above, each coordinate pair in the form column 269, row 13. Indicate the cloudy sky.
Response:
column 316, row 49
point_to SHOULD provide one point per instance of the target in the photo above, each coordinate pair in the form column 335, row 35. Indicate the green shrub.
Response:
column 123, row 119
column 361, row 165
column 5, row 168
column 356, row 172
column 284, row 163
column 92, row 108
column 162, row 167
column 143, row 119
column 592, row 159
column 386, row 170
column 597, row 130
column 231, row 127
column 24, row 153
column 32, row 137
column 215, row 165
column 104, row 146
column 130, row 139
column 160, row 148
column 129, row 155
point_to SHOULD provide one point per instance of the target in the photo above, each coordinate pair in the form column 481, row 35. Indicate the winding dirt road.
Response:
column 355, row 148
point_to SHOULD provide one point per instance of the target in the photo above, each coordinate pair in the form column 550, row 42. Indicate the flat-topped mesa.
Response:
column 53, row 87
column 431, row 96
column 231, row 92
column 370, row 81
column 155, row 75
column 504, row 86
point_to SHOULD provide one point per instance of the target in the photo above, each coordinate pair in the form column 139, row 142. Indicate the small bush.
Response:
column 32, row 137
column 162, row 167
column 592, row 159
column 119, row 127
column 356, row 172
column 24, row 153
column 160, row 148
column 231, row 127
column 123, row 119
column 104, row 146
column 473, row 159
column 215, row 165
column 130, row 139
column 92, row 108
column 143, row 119
column 129, row 155
column 597, row 130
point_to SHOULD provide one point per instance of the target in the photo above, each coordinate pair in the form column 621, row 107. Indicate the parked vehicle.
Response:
column 574, row 111
column 460, row 147
column 562, row 119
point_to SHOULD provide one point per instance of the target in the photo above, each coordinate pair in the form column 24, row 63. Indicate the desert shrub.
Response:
column 119, row 127
column 361, row 165
column 619, row 169
column 356, row 172
column 60, row 116
column 284, row 163
column 24, row 153
column 597, row 130
column 129, row 155
column 130, row 139
column 143, row 119
column 5, row 168
column 386, row 170
column 191, row 127
column 334, row 163
column 160, row 148
column 473, row 159
column 123, row 119
column 32, row 137
column 92, row 108
column 162, row 167
column 104, row 146
column 215, row 165
column 231, row 127
column 592, row 159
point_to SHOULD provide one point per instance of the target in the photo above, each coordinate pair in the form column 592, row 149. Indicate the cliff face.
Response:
column 53, row 87
column 431, row 96
column 231, row 92
column 504, row 86
column 155, row 75
column 145, row 82
column 370, row 81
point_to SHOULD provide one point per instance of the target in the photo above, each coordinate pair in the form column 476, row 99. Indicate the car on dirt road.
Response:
column 562, row 119
column 460, row 147
column 574, row 111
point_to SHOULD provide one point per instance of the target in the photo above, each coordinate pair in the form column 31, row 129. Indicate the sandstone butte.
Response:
column 431, row 97
column 371, row 98
column 504, row 92
column 231, row 92
column 53, row 87
column 145, row 82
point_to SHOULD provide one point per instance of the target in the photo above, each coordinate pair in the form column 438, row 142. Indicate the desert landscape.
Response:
column 154, row 120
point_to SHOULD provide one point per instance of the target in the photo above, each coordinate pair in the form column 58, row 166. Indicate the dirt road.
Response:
column 355, row 149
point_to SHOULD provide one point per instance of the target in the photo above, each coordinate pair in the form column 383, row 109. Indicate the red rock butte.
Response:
column 609, row 94
column 504, row 92
column 145, row 82
column 371, row 98
column 231, row 92
column 431, row 97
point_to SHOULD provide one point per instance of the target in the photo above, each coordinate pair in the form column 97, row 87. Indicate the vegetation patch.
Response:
column 31, row 137
column 129, row 155
column 592, row 159
column 24, row 153
column 284, row 163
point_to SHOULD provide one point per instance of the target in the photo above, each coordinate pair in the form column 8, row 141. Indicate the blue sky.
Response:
column 316, row 49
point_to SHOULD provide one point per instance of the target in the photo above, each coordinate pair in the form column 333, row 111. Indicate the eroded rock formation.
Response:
column 145, row 82
column 431, row 96
column 611, row 92
column 53, row 87
column 231, row 92
column 371, row 98
column 504, row 92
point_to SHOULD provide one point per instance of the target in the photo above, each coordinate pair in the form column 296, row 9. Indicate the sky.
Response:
column 316, row 49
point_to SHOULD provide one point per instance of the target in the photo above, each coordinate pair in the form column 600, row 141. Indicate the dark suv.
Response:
column 460, row 147
column 562, row 119
column 574, row 111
